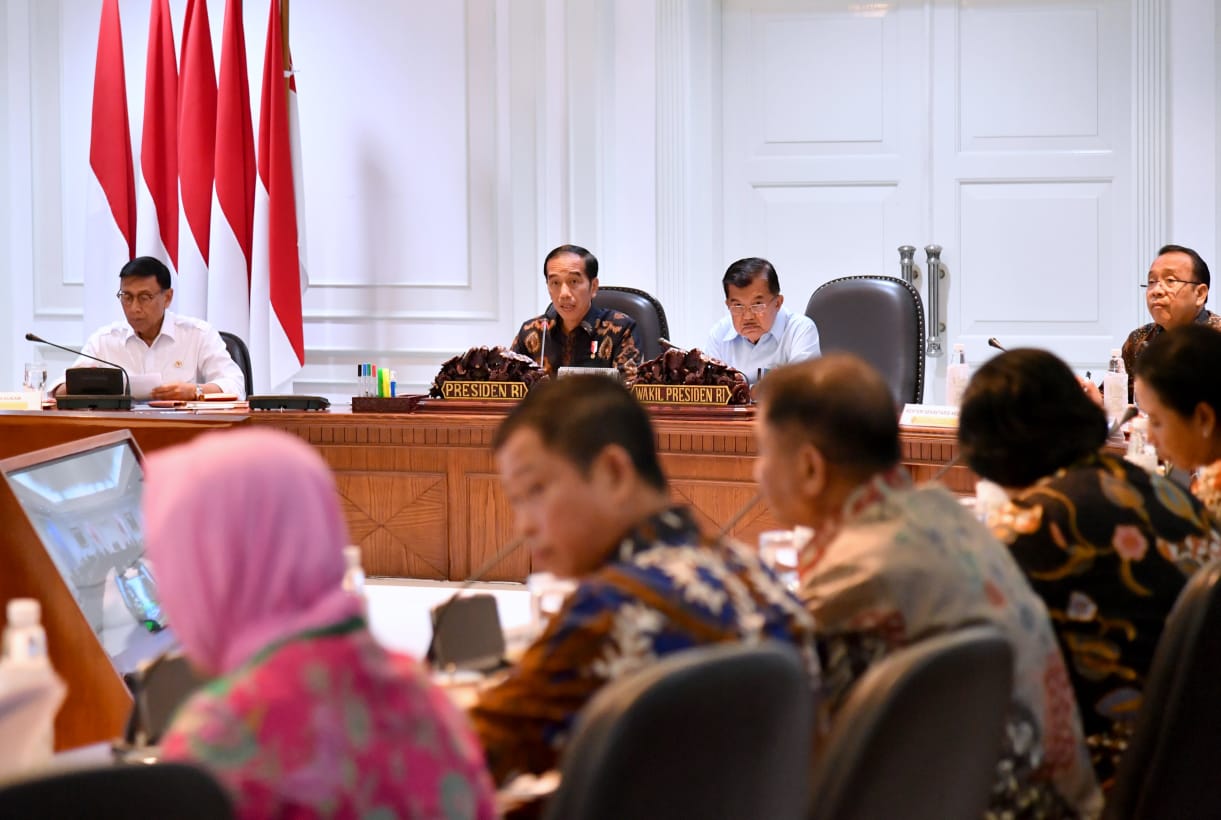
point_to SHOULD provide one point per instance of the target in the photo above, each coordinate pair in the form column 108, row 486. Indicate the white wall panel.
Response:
column 1004, row 284
column 1028, row 74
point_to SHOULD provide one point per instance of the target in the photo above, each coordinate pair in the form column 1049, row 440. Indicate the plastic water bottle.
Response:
column 26, row 664
column 1115, row 388
column 1140, row 452
column 354, row 574
column 139, row 593
column 957, row 374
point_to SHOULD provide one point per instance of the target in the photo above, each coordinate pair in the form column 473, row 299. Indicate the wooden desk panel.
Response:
column 420, row 491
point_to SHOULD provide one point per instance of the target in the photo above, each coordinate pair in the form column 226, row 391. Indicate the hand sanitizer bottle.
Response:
column 1115, row 388
column 26, row 665
column 354, row 575
column 957, row 374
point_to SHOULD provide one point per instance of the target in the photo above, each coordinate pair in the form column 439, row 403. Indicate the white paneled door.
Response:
column 997, row 129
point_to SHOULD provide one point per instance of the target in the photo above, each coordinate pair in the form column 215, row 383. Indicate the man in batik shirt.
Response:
column 891, row 563
column 577, row 462
column 572, row 332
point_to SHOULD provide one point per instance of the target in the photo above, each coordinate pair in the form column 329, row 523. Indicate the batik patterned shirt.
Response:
column 1108, row 547
column 901, row 563
column 605, row 338
column 1206, row 486
column 1140, row 338
column 330, row 724
column 666, row 588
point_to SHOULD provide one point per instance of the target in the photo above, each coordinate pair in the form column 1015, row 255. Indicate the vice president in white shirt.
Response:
column 760, row 332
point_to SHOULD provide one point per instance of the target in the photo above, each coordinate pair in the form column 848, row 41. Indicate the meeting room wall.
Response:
column 447, row 146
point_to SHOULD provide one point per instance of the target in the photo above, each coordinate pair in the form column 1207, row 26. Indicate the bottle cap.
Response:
column 351, row 555
column 1115, row 353
column 22, row 612
column 958, row 346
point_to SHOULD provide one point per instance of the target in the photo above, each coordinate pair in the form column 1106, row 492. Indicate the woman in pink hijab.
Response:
column 308, row 715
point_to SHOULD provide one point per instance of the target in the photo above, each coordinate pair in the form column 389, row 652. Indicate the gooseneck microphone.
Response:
column 992, row 342
column 475, row 577
column 32, row 337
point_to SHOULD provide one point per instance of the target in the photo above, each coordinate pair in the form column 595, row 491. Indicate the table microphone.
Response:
column 729, row 525
column 472, row 579
column 31, row 337
column 992, row 342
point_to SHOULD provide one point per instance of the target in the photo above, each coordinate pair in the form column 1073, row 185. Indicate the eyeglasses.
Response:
column 1169, row 284
column 758, row 308
column 143, row 298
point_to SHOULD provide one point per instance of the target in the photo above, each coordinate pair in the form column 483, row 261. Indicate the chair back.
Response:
column 717, row 731
column 920, row 734
column 880, row 319
column 1177, row 737
column 241, row 356
column 118, row 792
column 650, row 316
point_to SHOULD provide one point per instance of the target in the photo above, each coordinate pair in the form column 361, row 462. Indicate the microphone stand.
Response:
column 90, row 402
column 475, row 577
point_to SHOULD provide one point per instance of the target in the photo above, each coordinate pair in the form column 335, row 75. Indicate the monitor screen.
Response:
column 83, row 500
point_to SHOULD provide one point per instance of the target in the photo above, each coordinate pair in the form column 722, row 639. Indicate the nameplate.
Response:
column 929, row 415
column 705, row 395
column 484, row 391
column 16, row 401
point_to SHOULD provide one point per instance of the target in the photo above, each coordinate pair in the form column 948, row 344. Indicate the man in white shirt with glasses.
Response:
column 166, row 355
column 759, row 333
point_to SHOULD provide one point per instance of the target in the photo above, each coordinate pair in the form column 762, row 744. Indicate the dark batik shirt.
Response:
column 1140, row 338
column 1108, row 547
column 665, row 588
column 605, row 338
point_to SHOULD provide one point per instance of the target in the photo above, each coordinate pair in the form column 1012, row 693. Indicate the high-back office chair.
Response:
column 880, row 319
column 158, row 688
column 719, row 731
column 118, row 792
column 241, row 355
column 1174, row 748
column 919, row 735
column 650, row 316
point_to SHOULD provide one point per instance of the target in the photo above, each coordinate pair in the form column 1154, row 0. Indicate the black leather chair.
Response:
column 880, row 319
column 719, row 731
column 650, row 316
column 919, row 735
column 119, row 792
column 1172, row 756
column 241, row 355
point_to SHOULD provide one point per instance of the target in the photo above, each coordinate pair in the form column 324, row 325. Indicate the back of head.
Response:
column 1024, row 416
column 143, row 266
column 1181, row 365
column 742, row 273
column 1199, row 268
column 841, row 404
column 588, row 260
column 579, row 416
column 246, row 536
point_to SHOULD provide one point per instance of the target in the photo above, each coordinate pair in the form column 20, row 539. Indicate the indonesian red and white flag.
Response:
column 277, row 340
column 157, row 189
column 110, row 228
column 235, row 171
column 196, row 150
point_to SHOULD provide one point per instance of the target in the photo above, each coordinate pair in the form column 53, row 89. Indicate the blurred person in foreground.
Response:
column 1105, row 544
column 308, row 716
column 891, row 563
column 1177, row 386
column 580, row 470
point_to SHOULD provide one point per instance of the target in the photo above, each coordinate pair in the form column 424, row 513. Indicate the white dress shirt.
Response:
column 793, row 337
column 186, row 350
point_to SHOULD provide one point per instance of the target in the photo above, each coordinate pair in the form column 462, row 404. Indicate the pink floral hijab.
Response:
column 245, row 535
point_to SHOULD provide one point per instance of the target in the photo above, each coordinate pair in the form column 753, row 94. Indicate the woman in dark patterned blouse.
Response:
column 1107, row 545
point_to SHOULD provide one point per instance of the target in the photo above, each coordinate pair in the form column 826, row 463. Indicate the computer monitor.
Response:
column 83, row 501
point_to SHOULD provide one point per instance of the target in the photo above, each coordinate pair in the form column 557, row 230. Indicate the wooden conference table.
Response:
column 420, row 490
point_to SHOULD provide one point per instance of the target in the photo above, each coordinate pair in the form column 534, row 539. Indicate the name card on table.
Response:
column 929, row 415
column 485, row 391
column 696, row 394
column 21, row 400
